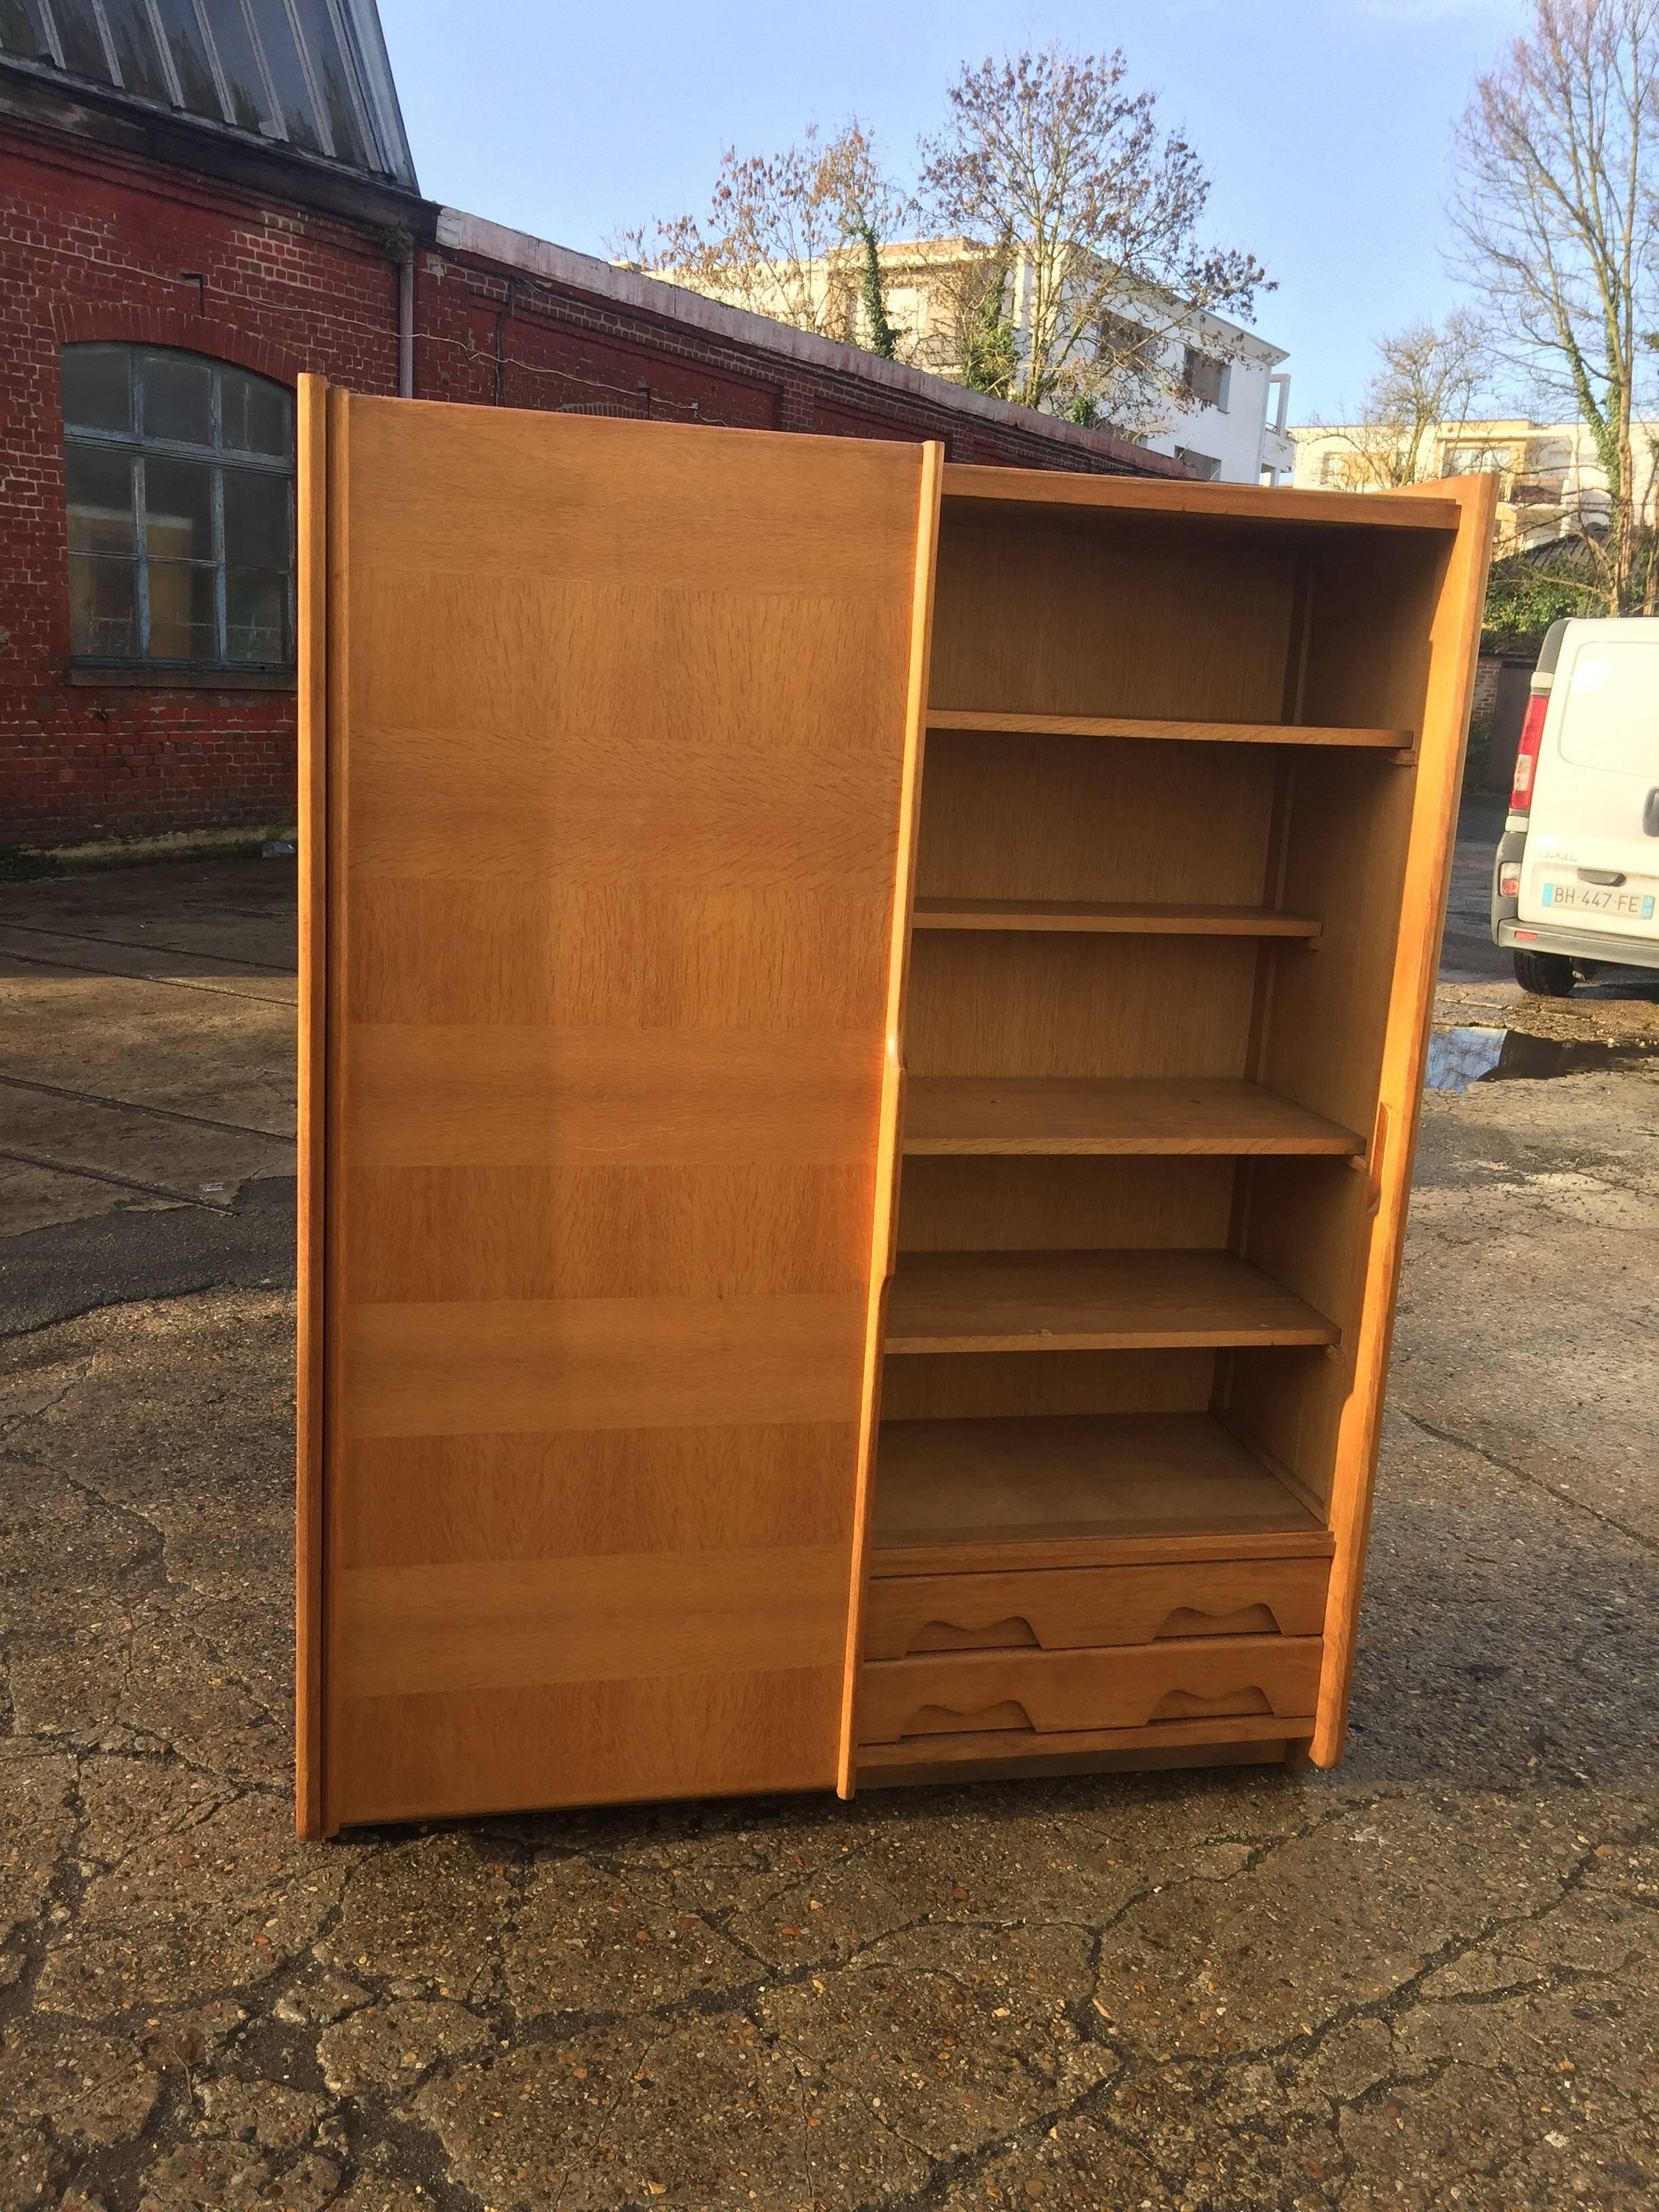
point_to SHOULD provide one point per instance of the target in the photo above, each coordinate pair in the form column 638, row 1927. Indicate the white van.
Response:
column 1576, row 886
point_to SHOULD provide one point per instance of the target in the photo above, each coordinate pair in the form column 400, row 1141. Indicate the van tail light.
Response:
column 1526, row 758
column 1508, row 880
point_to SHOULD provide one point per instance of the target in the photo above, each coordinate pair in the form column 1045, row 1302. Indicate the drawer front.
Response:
column 1064, row 1608
column 1186, row 1678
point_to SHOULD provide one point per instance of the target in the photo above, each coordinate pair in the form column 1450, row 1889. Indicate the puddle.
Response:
column 1459, row 1057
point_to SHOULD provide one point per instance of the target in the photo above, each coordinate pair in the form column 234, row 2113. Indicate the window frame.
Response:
column 136, row 443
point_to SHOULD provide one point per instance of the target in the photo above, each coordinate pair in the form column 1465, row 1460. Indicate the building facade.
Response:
column 1550, row 480
column 1220, row 395
column 185, row 226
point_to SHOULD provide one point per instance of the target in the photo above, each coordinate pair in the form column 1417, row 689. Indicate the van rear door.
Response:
column 1592, row 851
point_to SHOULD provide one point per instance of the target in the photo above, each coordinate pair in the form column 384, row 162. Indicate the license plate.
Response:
column 1600, row 898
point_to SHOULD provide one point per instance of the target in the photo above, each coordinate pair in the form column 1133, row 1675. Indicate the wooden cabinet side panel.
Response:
column 311, row 473
column 1445, row 726
column 628, row 724
column 884, row 1230
column 1454, row 644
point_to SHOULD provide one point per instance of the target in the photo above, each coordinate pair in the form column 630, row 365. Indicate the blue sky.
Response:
column 1323, row 123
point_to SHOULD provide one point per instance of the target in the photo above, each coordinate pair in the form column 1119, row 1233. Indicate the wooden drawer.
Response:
column 1181, row 1679
column 1060, row 1609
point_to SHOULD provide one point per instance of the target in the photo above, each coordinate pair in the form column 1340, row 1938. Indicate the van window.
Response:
column 1612, row 719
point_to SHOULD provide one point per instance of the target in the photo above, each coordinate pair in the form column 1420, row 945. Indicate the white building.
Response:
column 1225, row 396
column 1229, row 427
column 1234, row 428
column 1550, row 482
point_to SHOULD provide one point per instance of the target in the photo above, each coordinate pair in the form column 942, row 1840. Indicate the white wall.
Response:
column 1245, row 433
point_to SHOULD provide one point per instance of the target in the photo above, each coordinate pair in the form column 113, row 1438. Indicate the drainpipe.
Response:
column 406, row 322
column 398, row 243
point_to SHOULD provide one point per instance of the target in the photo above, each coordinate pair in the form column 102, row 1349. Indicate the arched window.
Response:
column 179, row 478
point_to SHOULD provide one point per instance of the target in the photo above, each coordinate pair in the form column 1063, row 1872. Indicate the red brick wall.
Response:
column 95, row 243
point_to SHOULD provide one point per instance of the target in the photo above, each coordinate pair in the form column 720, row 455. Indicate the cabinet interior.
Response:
column 1149, row 972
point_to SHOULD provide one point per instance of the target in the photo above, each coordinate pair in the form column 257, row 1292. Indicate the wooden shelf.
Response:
column 979, row 491
column 1109, row 918
column 1119, row 726
column 979, row 1496
column 1090, row 1301
column 949, row 1114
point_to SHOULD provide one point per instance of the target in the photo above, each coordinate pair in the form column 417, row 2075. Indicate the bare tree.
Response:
column 1558, row 170
column 792, row 235
column 1049, row 152
column 1431, row 379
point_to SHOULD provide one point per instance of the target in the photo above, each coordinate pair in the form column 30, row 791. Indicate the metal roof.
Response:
column 309, row 75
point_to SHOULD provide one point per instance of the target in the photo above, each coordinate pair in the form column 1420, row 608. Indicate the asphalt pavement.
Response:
column 1426, row 1980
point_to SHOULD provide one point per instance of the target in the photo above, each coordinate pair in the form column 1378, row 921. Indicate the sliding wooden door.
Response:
column 611, row 736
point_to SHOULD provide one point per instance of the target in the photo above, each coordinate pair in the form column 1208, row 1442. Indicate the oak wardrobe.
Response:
column 861, row 1023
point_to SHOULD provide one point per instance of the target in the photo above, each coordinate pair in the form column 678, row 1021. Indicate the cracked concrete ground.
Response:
column 1425, row 1979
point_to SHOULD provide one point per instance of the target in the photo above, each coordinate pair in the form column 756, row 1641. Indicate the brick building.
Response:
column 197, row 202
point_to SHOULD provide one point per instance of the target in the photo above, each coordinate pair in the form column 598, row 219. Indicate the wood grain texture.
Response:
column 1120, row 725
column 311, row 491
column 331, row 898
column 985, row 1386
column 968, row 487
column 971, row 1495
column 1138, row 616
column 1450, row 651
column 1016, row 1755
column 1134, row 1114
column 620, row 872
column 1034, row 1202
column 1030, row 1004
column 884, row 1238
column 1094, row 822
column 1195, row 1678
column 676, row 1736
column 480, row 1625
column 1110, row 918
column 1073, row 1609
column 1082, row 1301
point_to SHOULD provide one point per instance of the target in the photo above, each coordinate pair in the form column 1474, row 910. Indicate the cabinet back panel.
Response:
column 1138, row 616
column 1372, row 602
column 1094, row 818
column 612, row 876
column 986, row 1003
column 926, row 1385
column 1350, row 822
column 1033, row 1204
column 1310, row 1224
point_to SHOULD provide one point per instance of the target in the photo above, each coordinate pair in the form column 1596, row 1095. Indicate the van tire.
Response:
column 1545, row 974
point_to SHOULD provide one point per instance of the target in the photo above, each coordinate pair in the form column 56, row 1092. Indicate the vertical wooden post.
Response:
column 312, row 532
column 892, row 1091
column 1455, row 640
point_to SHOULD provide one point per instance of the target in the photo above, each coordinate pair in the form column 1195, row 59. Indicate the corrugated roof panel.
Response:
column 311, row 74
